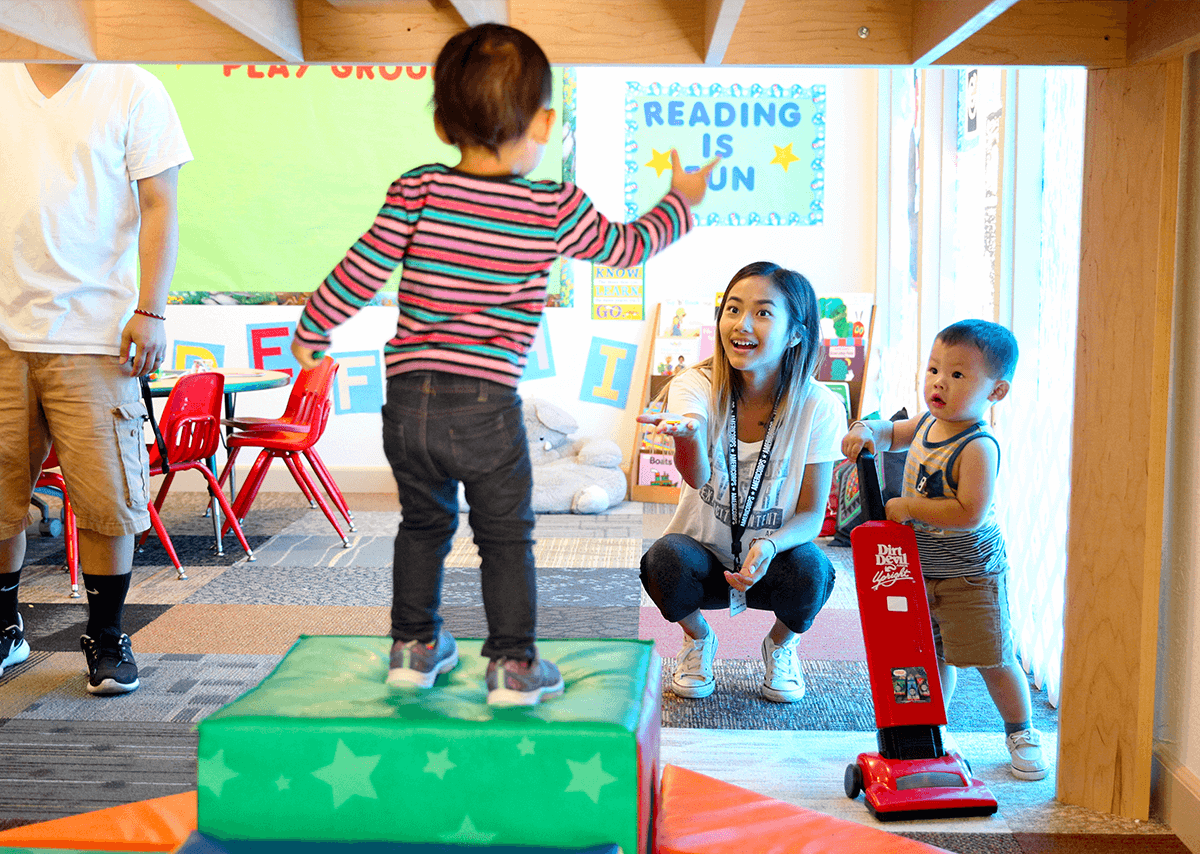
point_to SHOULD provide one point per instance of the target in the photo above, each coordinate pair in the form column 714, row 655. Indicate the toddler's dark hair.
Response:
column 488, row 84
column 997, row 344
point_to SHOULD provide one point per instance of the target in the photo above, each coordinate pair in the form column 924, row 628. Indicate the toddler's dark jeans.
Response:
column 682, row 576
column 440, row 429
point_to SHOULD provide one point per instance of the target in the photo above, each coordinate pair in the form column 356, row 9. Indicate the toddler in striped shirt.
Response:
column 477, row 241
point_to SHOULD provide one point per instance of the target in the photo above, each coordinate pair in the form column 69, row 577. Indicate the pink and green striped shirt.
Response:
column 476, row 253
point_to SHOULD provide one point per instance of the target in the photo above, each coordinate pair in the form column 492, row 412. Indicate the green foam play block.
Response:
column 323, row 750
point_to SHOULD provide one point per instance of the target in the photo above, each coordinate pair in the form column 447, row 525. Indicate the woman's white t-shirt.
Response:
column 814, row 437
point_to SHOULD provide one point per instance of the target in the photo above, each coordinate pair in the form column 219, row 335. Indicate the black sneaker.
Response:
column 521, row 683
column 13, row 648
column 111, row 668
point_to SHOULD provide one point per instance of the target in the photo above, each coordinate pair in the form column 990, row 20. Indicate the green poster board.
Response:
column 291, row 166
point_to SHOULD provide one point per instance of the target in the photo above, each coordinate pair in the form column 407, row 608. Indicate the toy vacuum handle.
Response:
column 868, row 486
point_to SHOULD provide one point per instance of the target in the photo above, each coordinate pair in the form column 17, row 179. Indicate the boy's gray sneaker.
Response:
column 111, row 668
column 419, row 664
column 521, row 683
column 13, row 647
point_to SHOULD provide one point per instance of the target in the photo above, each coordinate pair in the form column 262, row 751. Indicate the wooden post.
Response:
column 1119, row 439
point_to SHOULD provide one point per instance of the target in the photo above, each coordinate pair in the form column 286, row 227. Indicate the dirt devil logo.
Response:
column 892, row 565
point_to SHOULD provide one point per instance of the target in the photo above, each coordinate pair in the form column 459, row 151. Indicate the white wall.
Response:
column 837, row 256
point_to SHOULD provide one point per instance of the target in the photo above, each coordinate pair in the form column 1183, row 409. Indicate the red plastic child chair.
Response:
column 53, row 480
column 291, row 437
column 191, row 429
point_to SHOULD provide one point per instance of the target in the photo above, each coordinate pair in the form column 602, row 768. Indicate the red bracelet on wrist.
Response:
column 145, row 313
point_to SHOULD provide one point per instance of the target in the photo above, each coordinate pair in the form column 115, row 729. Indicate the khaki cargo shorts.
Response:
column 93, row 413
column 971, row 625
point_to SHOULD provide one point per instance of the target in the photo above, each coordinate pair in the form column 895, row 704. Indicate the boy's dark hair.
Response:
column 488, row 84
column 997, row 344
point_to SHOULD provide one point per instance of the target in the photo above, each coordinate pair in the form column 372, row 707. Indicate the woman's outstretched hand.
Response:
column 666, row 424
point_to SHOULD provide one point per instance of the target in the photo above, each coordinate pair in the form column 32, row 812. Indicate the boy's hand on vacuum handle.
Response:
column 691, row 185
column 859, row 436
column 307, row 358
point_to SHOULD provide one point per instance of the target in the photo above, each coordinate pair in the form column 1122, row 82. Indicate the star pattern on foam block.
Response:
column 348, row 774
column 589, row 777
column 217, row 773
column 525, row 746
column 468, row 834
column 439, row 763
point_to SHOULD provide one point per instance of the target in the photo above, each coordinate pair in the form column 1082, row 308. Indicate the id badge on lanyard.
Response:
column 740, row 516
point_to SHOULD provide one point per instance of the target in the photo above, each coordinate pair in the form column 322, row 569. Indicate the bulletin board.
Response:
column 291, row 166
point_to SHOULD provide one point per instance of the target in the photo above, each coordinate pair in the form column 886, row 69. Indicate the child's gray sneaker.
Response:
column 521, row 683
column 13, row 647
column 1025, row 748
column 693, row 677
column 419, row 664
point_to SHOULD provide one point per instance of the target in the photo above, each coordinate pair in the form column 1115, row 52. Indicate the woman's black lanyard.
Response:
column 739, row 518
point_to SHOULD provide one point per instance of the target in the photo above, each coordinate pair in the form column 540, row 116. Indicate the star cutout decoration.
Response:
column 660, row 162
column 283, row 783
column 348, row 774
column 439, row 763
column 589, row 777
column 784, row 156
column 218, row 773
column 468, row 834
column 525, row 746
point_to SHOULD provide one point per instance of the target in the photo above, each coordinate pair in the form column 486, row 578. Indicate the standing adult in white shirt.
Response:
column 89, row 163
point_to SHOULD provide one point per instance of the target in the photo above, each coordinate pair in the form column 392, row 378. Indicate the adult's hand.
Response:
column 143, row 345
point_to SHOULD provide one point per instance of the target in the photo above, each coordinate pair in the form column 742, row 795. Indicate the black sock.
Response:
column 1009, row 729
column 106, row 601
column 9, row 582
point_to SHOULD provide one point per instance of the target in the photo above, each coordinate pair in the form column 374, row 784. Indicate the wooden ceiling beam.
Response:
column 939, row 26
column 274, row 24
column 62, row 26
column 151, row 31
column 409, row 32
column 822, row 32
column 1090, row 33
column 1160, row 30
column 720, row 20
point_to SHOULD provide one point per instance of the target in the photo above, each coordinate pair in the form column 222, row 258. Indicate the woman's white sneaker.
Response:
column 783, row 681
column 694, row 677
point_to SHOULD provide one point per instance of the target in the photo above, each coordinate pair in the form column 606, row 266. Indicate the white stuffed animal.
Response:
column 581, row 476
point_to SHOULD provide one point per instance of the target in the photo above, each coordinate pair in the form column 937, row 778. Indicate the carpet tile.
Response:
column 204, row 641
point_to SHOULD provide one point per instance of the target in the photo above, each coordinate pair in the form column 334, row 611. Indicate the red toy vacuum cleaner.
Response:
column 912, row 775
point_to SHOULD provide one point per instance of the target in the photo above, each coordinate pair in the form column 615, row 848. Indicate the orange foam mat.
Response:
column 159, row 824
column 702, row 815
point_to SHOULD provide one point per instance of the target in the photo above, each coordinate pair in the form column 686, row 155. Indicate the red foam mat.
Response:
column 159, row 824
column 702, row 815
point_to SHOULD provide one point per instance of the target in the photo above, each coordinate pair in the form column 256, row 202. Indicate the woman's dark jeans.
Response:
column 683, row 576
column 440, row 429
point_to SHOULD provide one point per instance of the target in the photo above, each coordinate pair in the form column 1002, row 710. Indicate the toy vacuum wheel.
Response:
column 853, row 780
